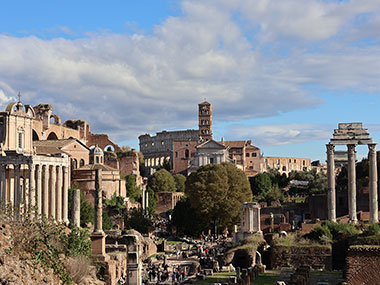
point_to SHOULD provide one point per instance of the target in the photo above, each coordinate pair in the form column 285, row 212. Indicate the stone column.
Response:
column 3, row 189
column 352, row 183
column 75, row 214
column 17, row 190
column 53, row 186
column 39, row 189
column 331, row 204
column 98, row 202
column 98, row 237
column 32, row 188
column 45, row 199
column 373, row 206
column 59, row 194
column 66, row 187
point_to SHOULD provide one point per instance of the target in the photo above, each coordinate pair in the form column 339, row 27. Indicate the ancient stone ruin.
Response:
column 352, row 134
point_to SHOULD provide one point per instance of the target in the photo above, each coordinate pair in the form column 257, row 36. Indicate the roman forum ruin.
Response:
column 352, row 134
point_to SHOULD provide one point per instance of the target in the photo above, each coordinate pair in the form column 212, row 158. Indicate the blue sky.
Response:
column 281, row 73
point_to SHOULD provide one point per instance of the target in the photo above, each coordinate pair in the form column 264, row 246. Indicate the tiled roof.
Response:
column 96, row 166
column 53, row 146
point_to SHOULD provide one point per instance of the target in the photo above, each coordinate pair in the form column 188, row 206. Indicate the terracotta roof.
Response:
column 96, row 166
column 234, row 144
column 54, row 146
column 56, row 143
column 48, row 150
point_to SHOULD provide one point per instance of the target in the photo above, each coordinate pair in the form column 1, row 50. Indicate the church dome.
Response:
column 96, row 151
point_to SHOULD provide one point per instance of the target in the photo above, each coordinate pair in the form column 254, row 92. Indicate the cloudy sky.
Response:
column 281, row 73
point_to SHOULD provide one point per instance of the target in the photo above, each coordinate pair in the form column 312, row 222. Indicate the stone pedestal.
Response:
column 98, row 246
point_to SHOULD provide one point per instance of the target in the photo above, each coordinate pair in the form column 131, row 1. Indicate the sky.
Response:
column 280, row 73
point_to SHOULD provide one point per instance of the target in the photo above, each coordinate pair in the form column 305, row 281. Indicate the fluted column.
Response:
column 39, row 189
column 3, row 189
column 17, row 192
column 373, row 206
column 66, row 186
column 352, row 183
column 331, row 203
column 52, row 190
column 45, row 200
column 59, row 195
column 32, row 187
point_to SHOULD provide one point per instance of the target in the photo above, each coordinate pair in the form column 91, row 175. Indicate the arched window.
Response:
column 81, row 163
column 52, row 136
column 97, row 159
column 187, row 153
column 74, row 164
column 35, row 136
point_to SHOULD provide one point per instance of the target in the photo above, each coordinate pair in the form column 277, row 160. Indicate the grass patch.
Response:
column 293, row 241
column 266, row 279
column 220, row 277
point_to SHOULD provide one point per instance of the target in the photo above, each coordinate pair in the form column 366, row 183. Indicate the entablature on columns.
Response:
column 36, row 160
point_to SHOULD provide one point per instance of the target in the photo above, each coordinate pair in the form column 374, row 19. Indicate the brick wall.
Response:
column 317, row 257
column 363, row 264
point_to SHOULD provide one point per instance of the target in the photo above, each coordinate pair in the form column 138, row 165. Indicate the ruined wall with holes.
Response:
column 102, row 140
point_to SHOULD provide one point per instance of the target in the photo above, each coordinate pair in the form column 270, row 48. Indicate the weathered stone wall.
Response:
column 362, row 265
column 167, row 201
column 102, row 140
column 318, row 257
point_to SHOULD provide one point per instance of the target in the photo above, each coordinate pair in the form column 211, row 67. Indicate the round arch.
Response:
column 52, row 136
column 35, row 136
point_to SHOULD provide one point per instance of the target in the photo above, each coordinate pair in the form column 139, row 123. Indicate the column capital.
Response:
column 372, row 148
column 351, row 148
column 330, row 148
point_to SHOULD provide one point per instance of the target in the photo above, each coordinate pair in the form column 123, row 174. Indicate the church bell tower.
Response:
column 205, row 121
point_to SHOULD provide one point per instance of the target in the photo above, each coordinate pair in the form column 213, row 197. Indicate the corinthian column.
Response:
column 65, row 194
column 59, row 194
column 45, row 200
column 352, row 183
column 32, row 188
column 3, row 189
column 331, row 204
column 39, row 189
column 373, row 208
column 17, row 191
column 53, row 186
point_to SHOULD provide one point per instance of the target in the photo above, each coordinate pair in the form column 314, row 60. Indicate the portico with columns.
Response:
column 352, row 135
column 35, row 185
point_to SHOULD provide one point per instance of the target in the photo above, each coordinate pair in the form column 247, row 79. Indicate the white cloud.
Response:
column 131, row 84
column 272, row 135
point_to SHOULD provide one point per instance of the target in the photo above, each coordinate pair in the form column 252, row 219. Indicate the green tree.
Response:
column 186, row 220
column 136, row 220
column 260, row 184
column 133, row 191
column 180, row 181
column 162, row 181
column 216, row 192
column 167, row 165
column 152, row 201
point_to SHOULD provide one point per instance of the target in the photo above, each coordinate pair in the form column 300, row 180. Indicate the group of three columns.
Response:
column 351, row 169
